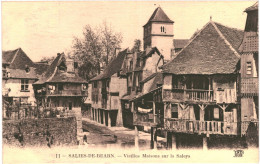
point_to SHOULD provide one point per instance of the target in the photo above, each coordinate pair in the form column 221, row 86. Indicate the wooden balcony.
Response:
column 67, row 93
column 145, row 119
column 188, row 95
column 200, row 95
column 201, row 127
column 249, row 86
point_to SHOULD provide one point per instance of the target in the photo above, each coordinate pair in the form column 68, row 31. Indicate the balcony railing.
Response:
column 67, row 93
column 188, row 95
column 201, row 127
column 249, row 86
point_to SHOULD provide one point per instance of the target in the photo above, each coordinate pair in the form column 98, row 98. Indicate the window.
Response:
column 163, row 29
column 248, row 68
column 24, row 85
column 174, row 111
column 216, row 113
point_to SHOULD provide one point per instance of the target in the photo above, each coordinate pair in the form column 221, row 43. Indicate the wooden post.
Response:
column 152, row 138
column 154, row 114
column 104, row 117
column 109, row 119
column 169, row 140
column 91, row 113
column 155, row 138
column 205, row 143
column 185, row 87
column 136, row 138
column 99, row 116
column 174, row 141
column 210, row 98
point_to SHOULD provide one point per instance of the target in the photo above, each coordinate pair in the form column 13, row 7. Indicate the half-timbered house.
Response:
column 249, row 73
column 106, row 90
column 200, row 86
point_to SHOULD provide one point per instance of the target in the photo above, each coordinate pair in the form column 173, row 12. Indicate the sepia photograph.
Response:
column 130, row 82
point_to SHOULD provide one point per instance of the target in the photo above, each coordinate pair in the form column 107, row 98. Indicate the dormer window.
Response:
column 27, row 69
column 62, row 67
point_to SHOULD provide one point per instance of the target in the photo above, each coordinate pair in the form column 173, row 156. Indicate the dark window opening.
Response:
column 174, row 111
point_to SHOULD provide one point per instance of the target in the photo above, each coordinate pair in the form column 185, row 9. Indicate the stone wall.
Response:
column 40, row 132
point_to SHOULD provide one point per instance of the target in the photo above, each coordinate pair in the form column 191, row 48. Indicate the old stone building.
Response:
column 19, row 72
column 106, row 89
column 60, row 90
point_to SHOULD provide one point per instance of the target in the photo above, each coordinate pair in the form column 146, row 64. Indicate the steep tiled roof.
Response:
column 53, row 75
column 233, row 35
column 66, row 78
column 113, row 67
column 22, row 74
column 157, row 78
column 159, row 16
column 211, row 51
column 180, row 43
column 17, row 59
column 40, row 68
column 253, row 7
column 7, row 56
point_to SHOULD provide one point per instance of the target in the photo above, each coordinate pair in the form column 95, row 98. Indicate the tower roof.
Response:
column 159, row 16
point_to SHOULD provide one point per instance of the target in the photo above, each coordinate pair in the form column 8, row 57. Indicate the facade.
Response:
column 106, row 90
column 18, row 75
column 142, row 77
column 60, row 87
column 200, row 86
column 249, row 73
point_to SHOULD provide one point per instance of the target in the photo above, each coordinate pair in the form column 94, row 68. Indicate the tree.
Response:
column 47, row 59
column 89, row 51
column 110, row 41
column 97, row 46
column 137, row 45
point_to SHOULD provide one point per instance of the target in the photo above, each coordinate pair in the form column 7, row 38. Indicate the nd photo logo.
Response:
column 238, row 153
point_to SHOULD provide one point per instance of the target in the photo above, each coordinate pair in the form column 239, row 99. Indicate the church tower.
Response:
column 158, row 32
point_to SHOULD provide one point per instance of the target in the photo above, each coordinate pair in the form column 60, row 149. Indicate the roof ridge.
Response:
column 189, row 42
column 234, row 28
column 226, row 41
column 55, row 70
column 15, row 55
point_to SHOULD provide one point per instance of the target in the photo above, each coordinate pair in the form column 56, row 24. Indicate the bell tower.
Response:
column 158, row 32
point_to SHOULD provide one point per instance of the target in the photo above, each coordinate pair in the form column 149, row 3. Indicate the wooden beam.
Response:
column 202, row 106
column 183, row 106
column 223, row 106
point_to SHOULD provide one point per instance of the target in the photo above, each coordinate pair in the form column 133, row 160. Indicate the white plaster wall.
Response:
column 151, row 63
column 164, row 44
column 147, row 86
column 15, row 86
column 167, row 82
column 156, row 28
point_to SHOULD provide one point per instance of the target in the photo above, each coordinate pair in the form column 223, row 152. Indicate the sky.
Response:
column 43, row 29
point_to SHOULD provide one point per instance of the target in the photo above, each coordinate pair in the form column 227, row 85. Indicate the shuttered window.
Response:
column 248, row 68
